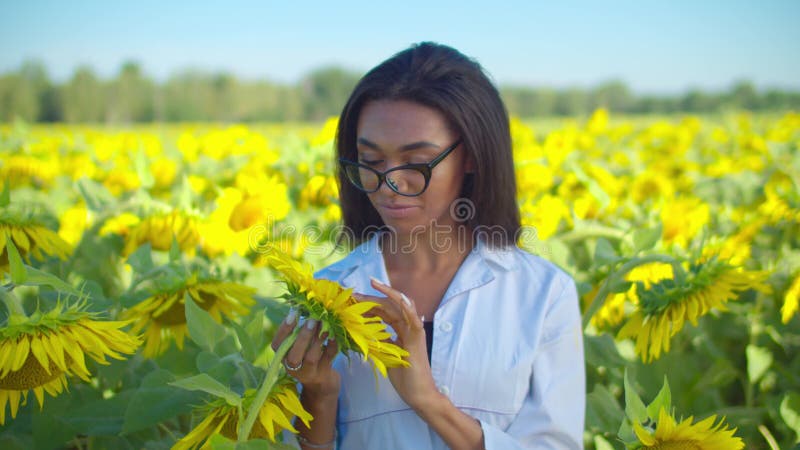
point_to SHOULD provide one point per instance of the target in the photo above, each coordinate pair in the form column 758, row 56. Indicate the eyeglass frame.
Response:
column 426, row 169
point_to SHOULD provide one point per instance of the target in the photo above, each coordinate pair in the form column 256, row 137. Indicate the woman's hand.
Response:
column 310, row 359
column 414, row 384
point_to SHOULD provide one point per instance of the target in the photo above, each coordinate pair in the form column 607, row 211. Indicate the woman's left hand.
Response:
column 415, row 383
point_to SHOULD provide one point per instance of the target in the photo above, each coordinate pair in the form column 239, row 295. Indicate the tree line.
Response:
column 191, row 95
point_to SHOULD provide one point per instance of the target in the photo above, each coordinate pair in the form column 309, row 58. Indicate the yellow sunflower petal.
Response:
column 644, row 437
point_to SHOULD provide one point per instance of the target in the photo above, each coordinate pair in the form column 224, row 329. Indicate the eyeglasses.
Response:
column 409, row 180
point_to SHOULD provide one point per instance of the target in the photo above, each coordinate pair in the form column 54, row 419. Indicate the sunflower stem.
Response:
column 602, row 294
column 273, row 370
column 773, row 444
column 13, row 303
column 753, row 331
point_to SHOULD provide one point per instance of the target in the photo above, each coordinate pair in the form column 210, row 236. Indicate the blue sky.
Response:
column 655, row 46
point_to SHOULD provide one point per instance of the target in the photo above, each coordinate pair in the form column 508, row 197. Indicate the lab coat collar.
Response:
column 477, row 269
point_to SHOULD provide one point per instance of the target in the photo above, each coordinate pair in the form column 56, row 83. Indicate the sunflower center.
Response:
column 30, row 375
column 676, row 445
column 176, row 314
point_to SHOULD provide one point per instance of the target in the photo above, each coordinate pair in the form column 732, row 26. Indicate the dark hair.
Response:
column 442, row 78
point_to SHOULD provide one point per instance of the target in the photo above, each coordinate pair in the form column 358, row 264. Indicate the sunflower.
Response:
column 737, row 248
column 790, row 300
column 545, row 215
column 163, row 316
column 121, row 224
column 341, row 316
column 613, row 311
column 319, row 191
column 74, row 222
column 159, row 230
column 38, row 352
column 667, row 304
column 263, row 199
column 20, row 170
column 669, row 434
column 683, row 218
column 275, row 415
column 31, row 238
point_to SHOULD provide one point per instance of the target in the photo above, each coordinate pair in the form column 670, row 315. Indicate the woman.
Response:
column 428, row 193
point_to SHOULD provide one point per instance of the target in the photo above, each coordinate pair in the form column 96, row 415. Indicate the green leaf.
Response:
column 156, row 401
column 96, row 196
column 626, row 434
column 37, row 277
column 604, row 252
column 18, row 272
column 5, row 197
column 602, row 410
column 98, row 300
column 601, row 444
column 255, row 328
column 594, row 187
column 16, row 441
column 174, row 250
column 143, row 170
column 601, row 351
column 207, row 384
column 49, row 426
column 185, row 194
column 559, row 253
column 662, row 400
column 141, row 260
column 790, row 412
column 646, row 238
column 203, row 329
column 758, row 361
column 262, row 444
column 220, row 442
column 634, row 407
column 246, row 343
column 103, row 416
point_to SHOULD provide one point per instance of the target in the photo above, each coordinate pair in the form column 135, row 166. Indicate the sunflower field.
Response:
column 141, row 276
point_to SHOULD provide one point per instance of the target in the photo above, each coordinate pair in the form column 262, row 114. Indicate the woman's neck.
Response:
column 427, row 250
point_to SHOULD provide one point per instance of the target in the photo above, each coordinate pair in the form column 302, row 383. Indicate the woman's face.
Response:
column 397, row 132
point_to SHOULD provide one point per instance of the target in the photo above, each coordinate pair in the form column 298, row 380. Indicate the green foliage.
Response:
column 740, row 363
column 790, row 411
column 203, row 329
column 205, row 383
column 192, row 95
column 18, row 273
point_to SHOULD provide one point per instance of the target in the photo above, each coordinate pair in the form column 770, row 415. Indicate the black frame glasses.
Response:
column 352, row 168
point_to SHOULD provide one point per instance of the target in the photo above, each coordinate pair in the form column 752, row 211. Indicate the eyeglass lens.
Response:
column 404, row 181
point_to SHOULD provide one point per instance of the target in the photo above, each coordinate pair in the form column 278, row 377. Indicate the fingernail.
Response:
column 311, row 323
column 376, row 281
column 405, row 299
column 423, row 318
column 291, row 316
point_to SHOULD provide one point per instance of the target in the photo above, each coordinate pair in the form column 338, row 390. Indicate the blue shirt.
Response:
column 507, row 350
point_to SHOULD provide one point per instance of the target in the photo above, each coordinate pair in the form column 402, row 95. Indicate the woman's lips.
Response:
column 397, row 211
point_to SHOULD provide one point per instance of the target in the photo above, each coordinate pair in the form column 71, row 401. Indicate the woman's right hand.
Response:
column 311, row 355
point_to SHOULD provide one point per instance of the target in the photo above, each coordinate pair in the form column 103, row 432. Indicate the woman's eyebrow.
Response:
column 412, row 146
